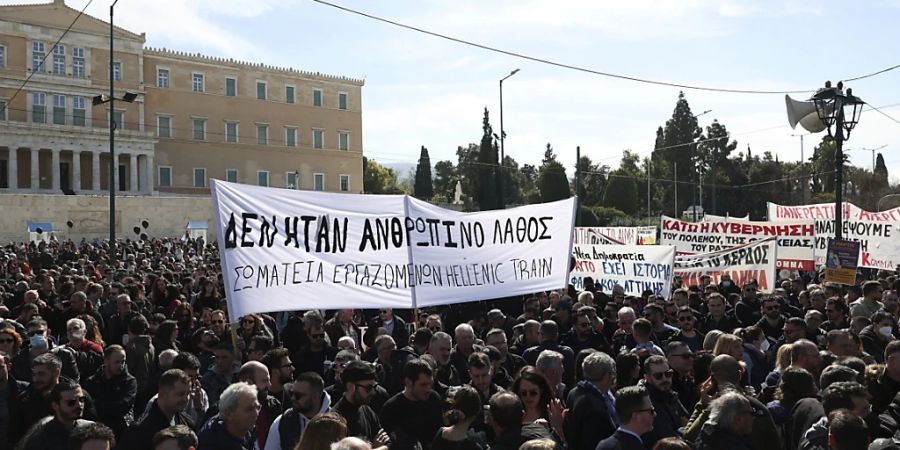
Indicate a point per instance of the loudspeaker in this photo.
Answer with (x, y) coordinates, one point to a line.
(804, 113)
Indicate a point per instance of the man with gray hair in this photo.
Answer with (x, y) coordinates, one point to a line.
(550, 364)
(439, 349)
(592, 408)
(730, 424)
(465, 346)
(231, 428)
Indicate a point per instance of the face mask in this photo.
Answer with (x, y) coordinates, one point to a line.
(764, 347)
(76, 335)
(886, 331)
(38, 341)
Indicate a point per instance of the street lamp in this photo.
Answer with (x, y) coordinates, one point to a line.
(503, 138)
(841, 111)
(699, 177)
(113, 167)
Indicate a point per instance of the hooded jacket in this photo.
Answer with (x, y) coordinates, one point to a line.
(141, 360)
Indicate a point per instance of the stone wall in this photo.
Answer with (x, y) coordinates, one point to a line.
(89, 215)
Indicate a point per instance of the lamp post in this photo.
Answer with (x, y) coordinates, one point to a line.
(836, 108)
(699, 177)
(803, 180)
(503, 137)
(113, 167)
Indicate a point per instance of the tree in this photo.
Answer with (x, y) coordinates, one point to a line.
(378, 179)
(467, 172)
(880, 168)
(511, 181)
(529, 177)
(488, 186)
(676, 145)
(593, 178)
(445, 177)
(621, 192)
(552, 181)
(423, 188)
(712, 155)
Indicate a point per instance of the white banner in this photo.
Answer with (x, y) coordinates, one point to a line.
(715, 218)
(284, 249)
(795, 239)
(751, 262)
(825, 211)
(879, 242)
(615, 235)
(634, 267)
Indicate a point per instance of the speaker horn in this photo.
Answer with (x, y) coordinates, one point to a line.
(805, 114)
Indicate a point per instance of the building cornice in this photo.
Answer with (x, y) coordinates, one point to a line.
(238, 64)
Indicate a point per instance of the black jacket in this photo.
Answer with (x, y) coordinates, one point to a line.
(589, 420)
(14, 425)
(714, 437)
(670, 414)
(872, 343)
(362, 422)
(140, 435)
(113, 399)
(400, 332)
(21, 363)
(214, 436)
(620, 441)
(49, 434)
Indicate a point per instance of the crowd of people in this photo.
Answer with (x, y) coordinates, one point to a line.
(136, 352)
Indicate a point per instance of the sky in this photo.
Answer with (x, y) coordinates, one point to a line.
(422, 90)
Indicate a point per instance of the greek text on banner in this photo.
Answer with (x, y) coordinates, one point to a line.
(285, 249)
(750, 262)
(637, 268)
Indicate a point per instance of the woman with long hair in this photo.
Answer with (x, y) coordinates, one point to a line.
(464, 409)
(166, 336)
(10, 340)
(208, 297)
(252, 325)
(92, 331)
(731, 345)
(322, 431)
(535, 393)
(184, 315)
(796, 384)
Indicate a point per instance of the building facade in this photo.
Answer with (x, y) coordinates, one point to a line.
(194, 117)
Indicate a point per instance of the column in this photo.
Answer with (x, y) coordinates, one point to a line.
(76, 170)
(95, 171)
(54, 169)
(13, 167)
(151, 175)
(133, 166)
(35, 169)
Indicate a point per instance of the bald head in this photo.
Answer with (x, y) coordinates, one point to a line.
(725, 369)
(257, 374)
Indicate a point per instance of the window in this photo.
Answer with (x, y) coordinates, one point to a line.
(343, 140)
(2, 109)
(37, 56)
(231, 175)
(319, 181)
(290, 137)
(199, 177)
(292, 180)
(342, 100)
(231, 132)
(78, 62)
(318, 138)
(164, 126)
(38, 105)
(262, 134)
(345, 183)
(117, 70)
(197, 82)
(79, 113)
(230, 87)
(165, 176)
(317, 97)
(289, 94)
(199, 129)
(262, 177)
(2, 56)
(59, 60)
(260, 90)
(119, 117)
(59, 109)
(162, 78)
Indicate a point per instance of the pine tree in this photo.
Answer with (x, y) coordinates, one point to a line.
(423, 188)
(487, 193)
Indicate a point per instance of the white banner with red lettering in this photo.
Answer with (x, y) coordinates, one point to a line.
(754, 261)
(877, 232)
(795, 240)
(615, 235)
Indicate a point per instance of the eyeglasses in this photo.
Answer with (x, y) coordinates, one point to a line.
(249, 321)
(75, 401)
(529, 393)
(297, 395)
(36, 332)
(649, 410)
(367, 387)
(686, 319)
(658, 376)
